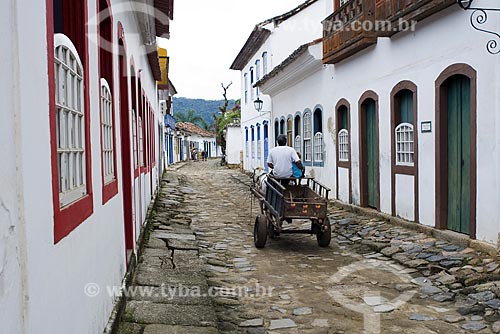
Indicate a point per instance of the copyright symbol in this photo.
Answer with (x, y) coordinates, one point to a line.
(92, 289)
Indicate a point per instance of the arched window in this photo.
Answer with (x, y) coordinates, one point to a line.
(245, 84)
(106, 67)
(257, 74)
(70, 121)
(298, 139)
(404, 128)
(107, 132)
(307, 137)
(318, 135)
(259, 148)
(343, 133)
(289, 132)
(253, 143)
(276, 131)
(246, 142)
(282, 127)
(264, 63)
(252, 81)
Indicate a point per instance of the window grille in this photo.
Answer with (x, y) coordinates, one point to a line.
(307, 137)
(70, 121)
(318, 147)
(264, 63)
(107, 131)
(134, 138)
(141, 143)
(343, 145)
(404, 144)
(298, 144)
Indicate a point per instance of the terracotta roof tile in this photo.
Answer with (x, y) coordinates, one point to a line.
(192, 128)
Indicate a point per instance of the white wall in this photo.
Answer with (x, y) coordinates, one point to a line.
(285, 38)
(439, 41)
(12, 223)
(233, 144)
(51, 276)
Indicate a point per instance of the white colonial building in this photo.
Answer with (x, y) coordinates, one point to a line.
(80, 130)
(267, 46)
(404, 120)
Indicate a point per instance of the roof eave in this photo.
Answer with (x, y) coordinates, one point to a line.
(254, 42)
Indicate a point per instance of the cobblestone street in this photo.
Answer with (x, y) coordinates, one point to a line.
(374, 277)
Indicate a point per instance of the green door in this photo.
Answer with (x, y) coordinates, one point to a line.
(371, 146)
(459, 154)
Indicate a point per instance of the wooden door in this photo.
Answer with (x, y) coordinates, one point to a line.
(372, 157)
(459, 161)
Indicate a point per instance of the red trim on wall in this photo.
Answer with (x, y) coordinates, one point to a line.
(110, 189)
(133, 92)
(126, 157)
(70, 217)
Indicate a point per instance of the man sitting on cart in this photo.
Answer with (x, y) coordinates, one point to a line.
(280, 160)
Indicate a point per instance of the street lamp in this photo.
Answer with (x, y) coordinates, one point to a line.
(258, 104)
(465, 4)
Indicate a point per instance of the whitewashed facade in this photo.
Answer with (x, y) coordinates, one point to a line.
(274, 40)
(63, 224)
(233, 144)
(423, 63)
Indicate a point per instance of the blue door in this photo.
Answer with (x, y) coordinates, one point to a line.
(170, 149)
(266, 146)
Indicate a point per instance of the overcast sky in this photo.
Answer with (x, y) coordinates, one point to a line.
(206, 36)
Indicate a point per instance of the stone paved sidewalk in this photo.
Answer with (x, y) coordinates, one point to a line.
(449, 272)
(170, 283)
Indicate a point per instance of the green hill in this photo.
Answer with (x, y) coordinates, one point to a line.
(204, 108)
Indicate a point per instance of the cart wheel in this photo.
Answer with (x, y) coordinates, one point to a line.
(325, 237)
(260, 231)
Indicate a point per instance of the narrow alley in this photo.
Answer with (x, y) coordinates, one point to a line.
(374, 277)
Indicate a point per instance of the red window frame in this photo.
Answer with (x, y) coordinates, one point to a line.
(153, 137)
(70, 217)
(142, 106)
(106, 71)
(133, 93)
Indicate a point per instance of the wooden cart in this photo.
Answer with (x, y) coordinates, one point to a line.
(303, 198)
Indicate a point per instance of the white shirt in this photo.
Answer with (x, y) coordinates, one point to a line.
(282, 157)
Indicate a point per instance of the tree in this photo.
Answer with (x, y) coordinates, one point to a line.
(191, 116)
(226, 116)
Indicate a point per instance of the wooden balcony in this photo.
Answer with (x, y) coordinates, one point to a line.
(340, 40)
(357, 24)
(392, 11)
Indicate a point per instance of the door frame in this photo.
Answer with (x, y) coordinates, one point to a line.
(125, 143)
(441, 158)
(405, 170)
(363, 171)
(343, 164)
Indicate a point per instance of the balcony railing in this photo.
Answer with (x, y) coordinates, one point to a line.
(357, 24)
(341, 36)
(395, 12)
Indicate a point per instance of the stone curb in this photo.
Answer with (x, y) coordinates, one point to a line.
(450, 236)
(119, 308)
